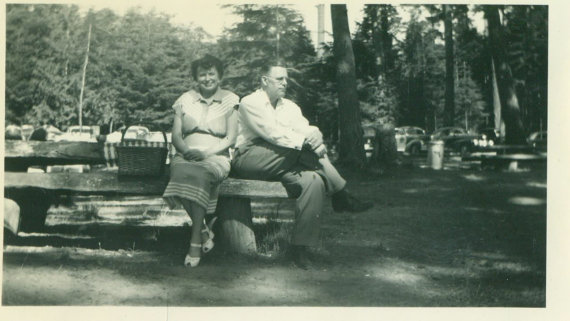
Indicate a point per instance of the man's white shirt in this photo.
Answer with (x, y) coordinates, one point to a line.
(283, 125)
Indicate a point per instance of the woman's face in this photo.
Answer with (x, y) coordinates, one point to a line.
(208, 80)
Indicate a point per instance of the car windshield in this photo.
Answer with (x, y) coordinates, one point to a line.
(443, 132)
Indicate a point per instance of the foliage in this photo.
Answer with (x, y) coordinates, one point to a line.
(139, 63)
(375, 56)
(526, 35)
(39, 70)
(266, 33)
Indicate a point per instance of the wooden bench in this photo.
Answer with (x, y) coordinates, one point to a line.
(29, 189)
(505, 161)
(507, 149)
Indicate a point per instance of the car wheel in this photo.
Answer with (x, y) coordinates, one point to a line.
(415, 150)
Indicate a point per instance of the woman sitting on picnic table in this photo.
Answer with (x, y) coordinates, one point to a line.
(204, 127)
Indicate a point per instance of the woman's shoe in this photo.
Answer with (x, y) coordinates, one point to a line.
(208, 245)
(190, 260)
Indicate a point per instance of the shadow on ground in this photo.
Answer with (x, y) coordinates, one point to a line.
(457, 237)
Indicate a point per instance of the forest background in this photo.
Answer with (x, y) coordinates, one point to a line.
(136, 64)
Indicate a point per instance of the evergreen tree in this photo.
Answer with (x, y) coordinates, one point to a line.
(526, 36)
(39, 76)
(375, 63)
(266, 32)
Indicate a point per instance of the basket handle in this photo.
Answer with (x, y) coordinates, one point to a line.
(125, 131)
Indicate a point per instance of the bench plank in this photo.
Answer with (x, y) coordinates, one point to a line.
(108, 183)
(50, 153)
(508, 149)
(508, 161)
(505, 157)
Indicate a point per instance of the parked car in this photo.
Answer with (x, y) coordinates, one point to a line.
(158, 137)
(52, 132)
(538, 140)
(13, 132)
(488, 137)
(77, 134)
(27, 130)
(369, 135)
(410, 139)
(137, 133)
(456, 139)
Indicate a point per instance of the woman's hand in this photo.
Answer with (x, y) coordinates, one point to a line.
(195, 154)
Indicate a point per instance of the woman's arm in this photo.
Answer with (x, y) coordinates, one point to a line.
(177, 139)
(230, 139)
(188, 152)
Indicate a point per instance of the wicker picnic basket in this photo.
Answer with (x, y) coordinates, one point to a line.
(141, 158)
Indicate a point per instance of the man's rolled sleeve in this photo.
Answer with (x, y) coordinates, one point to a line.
(263, 123)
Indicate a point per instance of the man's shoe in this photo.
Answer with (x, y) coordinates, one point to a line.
(300, 257)
(343, 201)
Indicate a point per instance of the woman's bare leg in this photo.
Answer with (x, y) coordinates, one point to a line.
(196, 214)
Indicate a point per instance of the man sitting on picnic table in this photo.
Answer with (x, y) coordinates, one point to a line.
(275, 142)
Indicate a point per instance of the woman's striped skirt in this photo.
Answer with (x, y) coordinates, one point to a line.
(197, 181)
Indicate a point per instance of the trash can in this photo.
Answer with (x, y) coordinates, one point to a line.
(435, 154)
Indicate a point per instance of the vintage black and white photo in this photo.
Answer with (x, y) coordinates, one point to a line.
(300, 154)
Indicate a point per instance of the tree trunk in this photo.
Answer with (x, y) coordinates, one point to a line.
(376, 41)
(351, 149)
(511, 113)
(387, 60)
(498, 121)
(385, 152)
(381, 38)
(449, 112)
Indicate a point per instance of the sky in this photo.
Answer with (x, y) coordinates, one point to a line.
(213, 19)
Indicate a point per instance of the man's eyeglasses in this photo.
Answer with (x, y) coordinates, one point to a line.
(280, 80)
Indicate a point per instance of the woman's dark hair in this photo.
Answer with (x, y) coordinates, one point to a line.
(207, 62)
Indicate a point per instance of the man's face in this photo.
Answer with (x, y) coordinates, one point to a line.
(208, 79)
(275, 82)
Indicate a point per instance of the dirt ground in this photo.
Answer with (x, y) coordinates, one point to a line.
(457, 237)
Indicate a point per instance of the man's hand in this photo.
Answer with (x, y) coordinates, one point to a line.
(195, 154)
(314, 139)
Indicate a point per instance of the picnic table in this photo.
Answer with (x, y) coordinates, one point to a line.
(34, 192)
(506, 156)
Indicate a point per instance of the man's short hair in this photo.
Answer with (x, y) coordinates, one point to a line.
(207, 62)
(266, 67)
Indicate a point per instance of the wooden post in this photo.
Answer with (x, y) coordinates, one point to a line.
(34, 204)
(235, 225)
(11, 216)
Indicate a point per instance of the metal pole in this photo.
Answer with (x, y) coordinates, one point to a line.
(320, 29)
(83, 81)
